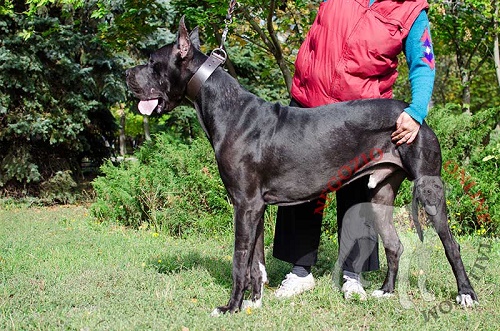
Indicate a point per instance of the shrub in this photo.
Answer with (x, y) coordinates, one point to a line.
(169, 186)
(471, 157)
(60, 188)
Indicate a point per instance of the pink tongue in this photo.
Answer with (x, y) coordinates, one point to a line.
(146, 107)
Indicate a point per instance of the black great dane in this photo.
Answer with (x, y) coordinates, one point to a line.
(273, 154)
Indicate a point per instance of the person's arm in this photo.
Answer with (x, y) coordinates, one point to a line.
(420, 58)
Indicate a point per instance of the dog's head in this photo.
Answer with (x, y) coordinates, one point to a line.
(161, 83)
(430, 191)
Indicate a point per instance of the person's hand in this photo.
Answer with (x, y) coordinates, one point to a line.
(406, 129)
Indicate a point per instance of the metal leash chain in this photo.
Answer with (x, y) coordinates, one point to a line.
(219, 54)
(217, 58)
(227, 21)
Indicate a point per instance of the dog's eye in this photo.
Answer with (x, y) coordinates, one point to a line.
(156, 66)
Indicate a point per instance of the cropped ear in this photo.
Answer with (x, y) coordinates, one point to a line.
(183, 42)
(194, 36)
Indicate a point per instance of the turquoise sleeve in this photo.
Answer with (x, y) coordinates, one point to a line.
(420, 58)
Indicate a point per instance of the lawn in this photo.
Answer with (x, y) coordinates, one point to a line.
(60, 270)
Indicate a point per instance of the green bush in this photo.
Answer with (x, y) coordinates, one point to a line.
(471, 160)
(170, 186)
(60, 188)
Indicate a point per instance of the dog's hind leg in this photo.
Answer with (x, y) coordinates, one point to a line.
(248, 228)
(382, 204)
(438, 216)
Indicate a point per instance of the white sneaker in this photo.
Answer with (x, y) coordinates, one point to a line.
(352, 287)
(293, 285)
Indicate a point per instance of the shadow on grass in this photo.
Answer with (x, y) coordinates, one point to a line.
(220, 268)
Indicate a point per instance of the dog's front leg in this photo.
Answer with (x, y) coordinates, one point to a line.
(430, 192)
(258, 274)
(247, 222)
(467, 297)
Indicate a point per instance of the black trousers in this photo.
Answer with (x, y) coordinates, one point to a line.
(298, 229)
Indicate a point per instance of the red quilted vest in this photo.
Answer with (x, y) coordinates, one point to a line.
(351, 50)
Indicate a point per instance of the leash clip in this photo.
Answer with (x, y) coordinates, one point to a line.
(220, 54)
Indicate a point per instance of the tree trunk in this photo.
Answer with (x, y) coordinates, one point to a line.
(145, 122)
(496, 55)
(465, 91)
(276, 48)
(123, 146)
(287, 75)
(496, 51)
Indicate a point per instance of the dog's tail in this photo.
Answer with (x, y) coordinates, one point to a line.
(414, 212)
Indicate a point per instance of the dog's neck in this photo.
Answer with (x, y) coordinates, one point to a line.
(213, 111)
(194, 85)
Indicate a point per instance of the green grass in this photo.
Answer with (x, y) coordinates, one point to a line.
(59, 270)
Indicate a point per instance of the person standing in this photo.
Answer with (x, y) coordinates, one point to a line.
(351, 52)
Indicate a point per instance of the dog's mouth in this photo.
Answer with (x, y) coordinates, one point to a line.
(146, 107)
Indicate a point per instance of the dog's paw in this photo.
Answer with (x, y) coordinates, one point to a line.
(216, 312)
(381, 294)
(466, 300)
(219, 311)
(251, 304)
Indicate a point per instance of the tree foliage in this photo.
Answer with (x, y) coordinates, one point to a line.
(463, 34)
(137, 27)
(265, 37)
(57, 83)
